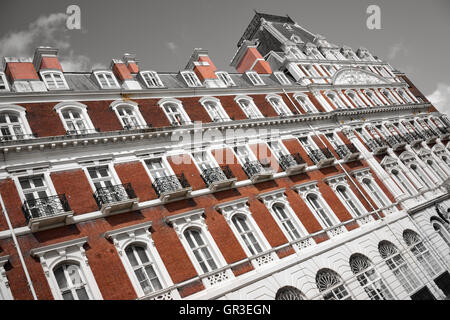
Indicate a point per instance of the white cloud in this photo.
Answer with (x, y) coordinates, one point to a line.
(47, 30)
(396, 50)
(172, 46)
(440, 98)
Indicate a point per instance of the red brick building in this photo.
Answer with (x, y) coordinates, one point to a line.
(314, 172)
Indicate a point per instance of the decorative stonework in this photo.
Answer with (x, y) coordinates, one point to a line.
(350, 76)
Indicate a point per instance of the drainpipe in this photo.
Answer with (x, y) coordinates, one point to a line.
(19, 252)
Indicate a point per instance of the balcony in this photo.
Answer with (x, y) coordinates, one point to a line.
(44, 213)
(377, 146)
(444, 133)
(293, 163)
(348, 152)
(321, 157)
(430, 136)
(114, 199)
(257, 172)
(396, 142)
(219, 178)
(172, 188)
(413, 138)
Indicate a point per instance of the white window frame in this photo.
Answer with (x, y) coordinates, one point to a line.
(5, 290)
(307, 106)
(223, 116)
(226, 79)
(136, 112)
(356, 99)
(402, 181)
(154, 81)
(194, 220)
(311, 188)
(296, 53)
(4, 82)
(46, 177)
(191, 79)
(335, 289)
(278, 197)
(282, 78)
(140, 235)
(440, 229)
(114, 178)
(55, 85)
(254, 78)
(256, 113)
(165, 165)
(337, 101)
(377, 195)
(239, 207)
(81, 108)
(20, 112)
(180, 109)
(373, 98)
(280, 106)
(71, 251)
(340, 181)
(113, 84)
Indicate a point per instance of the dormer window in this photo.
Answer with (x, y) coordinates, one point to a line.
(255, 78)
(296, 53)
(151, 79)
(225, 77)
(191, 79)
(296, 38)
(106, 80)
(4, 86)
(278, 104)
(281, 77)
(13, 123)
(249, 107)
(54, 80)
(305, 103)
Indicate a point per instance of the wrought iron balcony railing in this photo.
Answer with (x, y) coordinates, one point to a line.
(377, 146)
(218, 178)
(321, 157)
(256, 171)
(80, 132)
(136, 127)
(16, 137)
(113, 194)
(396, 142)
(290, 161)
(347, 152)
(45, 207)
(413, 138)
(169, 187)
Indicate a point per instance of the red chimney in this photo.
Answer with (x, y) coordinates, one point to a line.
(248, 58)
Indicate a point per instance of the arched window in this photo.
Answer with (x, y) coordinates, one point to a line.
(278, 104)
(400, 178)
(74, 117)
(405, 96)
(129, 115)
(200, 249)
(388, 95)
(331, 286)
(143, 268)
(225, 77)
(71, 282)
(373, 98)
(282, 78)
(296, 53)
(286, 220)
(337, 102)
(320, 210)
(436, 170)
(421, 252)
(289, 293)
(255, 78)
(249, 107)
(420, 175)
(397, 264)
(247, 234)
(191, 79)
(214, 109)
(356, 99)
(11, 126)
(368, 278)
(441, 230)
(54, 80)
(305, 103)
(375, 192)
(350, 201)
(174, 112)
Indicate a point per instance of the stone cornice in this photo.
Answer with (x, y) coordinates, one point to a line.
(129, 229)
(38, 252)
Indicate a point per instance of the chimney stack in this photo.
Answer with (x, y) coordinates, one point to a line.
(248, 58)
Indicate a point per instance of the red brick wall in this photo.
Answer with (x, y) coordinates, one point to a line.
(195, 110)
(13, 205)
(152, 113)
(135, 174)
(185, 164)
(75, 185)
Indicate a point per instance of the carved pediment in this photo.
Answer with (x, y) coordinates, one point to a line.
(351, 76)
(388, 161)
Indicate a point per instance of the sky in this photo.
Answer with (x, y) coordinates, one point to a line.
(414, 34)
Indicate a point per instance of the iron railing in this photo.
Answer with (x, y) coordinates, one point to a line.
(45, 207)
(80, 132)
(113, 194)
(255, 167)
(320, 154)
(345, 149)
(136, 127)
(374, 144)
(217, 174)
(170, 184)
(291, 160)
(17, 137)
